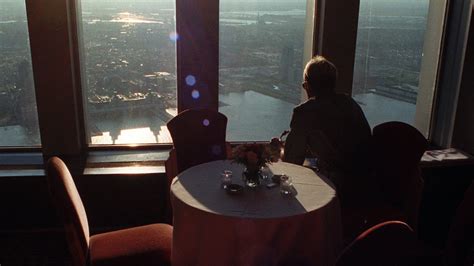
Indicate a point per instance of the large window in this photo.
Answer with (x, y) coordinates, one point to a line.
(130, 65)
(389, 55)
(124, 66)
(261, 46)
(18, 115)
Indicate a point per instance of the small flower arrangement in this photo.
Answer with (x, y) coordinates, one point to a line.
(257, 155)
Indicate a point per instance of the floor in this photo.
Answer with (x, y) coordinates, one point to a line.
(33, 249)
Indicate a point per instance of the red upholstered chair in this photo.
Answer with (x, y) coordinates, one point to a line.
(460, 240)
(388, 243)
(396, 150)
(144, 245)
(198, 137)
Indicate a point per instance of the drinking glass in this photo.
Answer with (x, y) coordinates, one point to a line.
(286, 185)
(226, 178)
(265, 172)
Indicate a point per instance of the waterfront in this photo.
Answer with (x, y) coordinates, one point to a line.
(248, 120)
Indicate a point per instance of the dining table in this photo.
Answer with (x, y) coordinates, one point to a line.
(254, 226)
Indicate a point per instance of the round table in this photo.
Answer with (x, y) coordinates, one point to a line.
(257, 227)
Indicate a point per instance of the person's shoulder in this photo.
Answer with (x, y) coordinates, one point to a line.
(354, 103)
(343, 97)
(347, 99)
(307, 105)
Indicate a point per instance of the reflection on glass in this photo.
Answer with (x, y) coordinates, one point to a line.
(260, 65)
(130, 65)
(18, 115)
(388, 58)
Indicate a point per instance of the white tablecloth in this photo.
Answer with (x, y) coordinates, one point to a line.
(257, 227)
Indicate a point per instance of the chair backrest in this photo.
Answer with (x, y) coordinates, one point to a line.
(388, 243)
(198, 137)
(397, 149)
(69, 206)
(397, 146)
(461, 232)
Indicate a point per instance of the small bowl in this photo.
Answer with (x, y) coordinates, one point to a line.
(234, 189)
(276, 179)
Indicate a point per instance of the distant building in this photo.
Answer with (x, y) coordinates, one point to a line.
(286, 64)
(260, 20)
(26, 113)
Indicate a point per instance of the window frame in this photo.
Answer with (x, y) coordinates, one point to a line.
(424, 117)
(55, 61)
(449, 83)
(56, 48)
(425, 113)
(197, 53)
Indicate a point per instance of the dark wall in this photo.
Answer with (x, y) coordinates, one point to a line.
(443, 191)
(124, 200)
(25, 205)
(111, 201)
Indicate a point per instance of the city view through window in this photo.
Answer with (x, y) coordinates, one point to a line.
(130, 65)
(18, 115)
(129, 58)
(388, 58)
(131, 72)
(261, 63)
(261, 47)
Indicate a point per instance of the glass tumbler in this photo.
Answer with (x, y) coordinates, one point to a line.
(226, 178)
(286, 185)
(265, 172)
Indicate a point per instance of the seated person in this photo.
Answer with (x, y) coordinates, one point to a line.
(329, 126)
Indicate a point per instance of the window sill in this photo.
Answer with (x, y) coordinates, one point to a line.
(126, 162)
(124, 170)
(97, 163)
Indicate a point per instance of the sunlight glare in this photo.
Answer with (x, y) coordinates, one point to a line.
(105, 138)
(174, 36)
(136, 135)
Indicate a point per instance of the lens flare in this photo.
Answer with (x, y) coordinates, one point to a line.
(206, 122)
(174, 36)
(216, 150)
(195, 94)
(190, 80)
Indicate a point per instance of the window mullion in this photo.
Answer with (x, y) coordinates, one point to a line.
(53, 47)
(337, 38)
(197, 23)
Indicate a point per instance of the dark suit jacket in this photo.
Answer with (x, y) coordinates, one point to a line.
(332, 128)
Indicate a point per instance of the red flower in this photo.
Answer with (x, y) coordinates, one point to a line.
(257, 154)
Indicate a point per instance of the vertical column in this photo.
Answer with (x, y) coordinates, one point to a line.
(53, 39)
(336, 37)
(454, 49)
(430, 65)
(310, 38)
(464, 124)
(197, 26)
